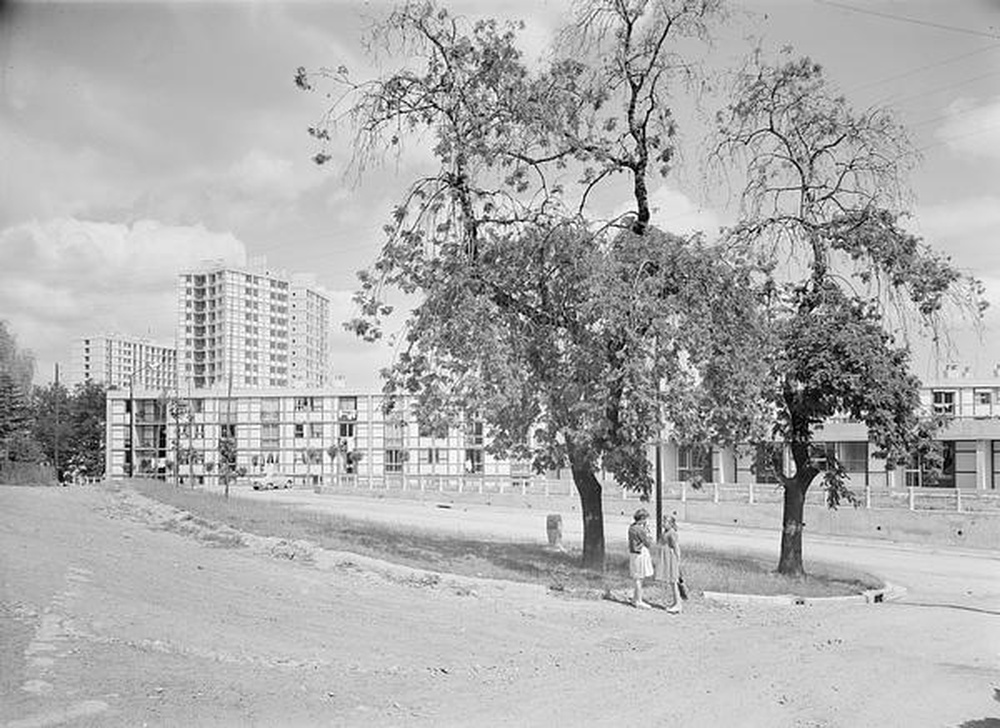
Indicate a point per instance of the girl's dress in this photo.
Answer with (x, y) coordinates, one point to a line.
(666, 565)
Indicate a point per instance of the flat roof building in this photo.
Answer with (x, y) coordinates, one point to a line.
(115, 360)
(251, 327)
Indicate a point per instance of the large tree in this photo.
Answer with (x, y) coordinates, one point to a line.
(571, 340)
(87, 414)
(17, 363)
(51, 424)
(17, 368)
(824, 199)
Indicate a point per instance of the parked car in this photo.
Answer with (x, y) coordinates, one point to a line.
(271, 481)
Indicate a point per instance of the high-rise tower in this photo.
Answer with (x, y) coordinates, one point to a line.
(252, 327)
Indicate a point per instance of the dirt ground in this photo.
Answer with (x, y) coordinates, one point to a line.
(118, 612)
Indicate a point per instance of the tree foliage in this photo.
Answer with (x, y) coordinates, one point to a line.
(825, 190)
(17, 363)
(556, 331)
(72, 421)
(16, 416)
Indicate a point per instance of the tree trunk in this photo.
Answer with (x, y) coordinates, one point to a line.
(790, 563)
(592, 508)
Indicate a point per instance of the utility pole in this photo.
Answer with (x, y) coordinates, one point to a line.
(55, 391)
(659, 490)
(229, 424)
(176, 407)
(131, 424)
(190, 427)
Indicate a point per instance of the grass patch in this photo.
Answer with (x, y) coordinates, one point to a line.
(704, 569)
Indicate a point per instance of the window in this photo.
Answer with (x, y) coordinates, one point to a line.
(983, 402)
(315, 429)
(473, 460)
(302, 404)
(395, 431)
(854, 456)
(432, 456)
(694, 464)
(944, 401)
(269, 436)
(394, 460)
(474, 433)
(346, 429)
(823, 453)
(300, 430)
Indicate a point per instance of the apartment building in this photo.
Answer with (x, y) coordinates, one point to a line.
(318, 437)
(121, 361)
(309, 334)
(250, 327)
(311, 437)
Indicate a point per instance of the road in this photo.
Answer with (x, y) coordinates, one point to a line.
(110, 620)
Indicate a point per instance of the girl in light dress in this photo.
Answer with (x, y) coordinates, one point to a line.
(667, 565)
(640, 562)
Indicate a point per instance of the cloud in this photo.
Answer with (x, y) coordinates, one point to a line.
(972, 127)
(966, 229)
(673, 211)
(65, 278)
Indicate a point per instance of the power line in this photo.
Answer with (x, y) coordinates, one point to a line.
(929, 66)
(906, 19)
(946, 140)
(927, 92)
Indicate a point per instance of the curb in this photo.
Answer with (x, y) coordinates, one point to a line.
(889, 592)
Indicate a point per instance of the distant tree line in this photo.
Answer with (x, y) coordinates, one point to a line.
(46, 432)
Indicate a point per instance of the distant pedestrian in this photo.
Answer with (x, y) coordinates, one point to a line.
(667, 564)
(640, 562)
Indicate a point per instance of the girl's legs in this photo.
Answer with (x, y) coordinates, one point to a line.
(676, 606)
(637, 593)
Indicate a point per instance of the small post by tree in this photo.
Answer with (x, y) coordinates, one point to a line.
(825, 188)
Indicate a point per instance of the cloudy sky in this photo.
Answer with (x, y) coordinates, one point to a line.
(137, 139)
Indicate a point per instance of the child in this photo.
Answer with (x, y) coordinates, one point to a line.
(640, 563)
(668, 561)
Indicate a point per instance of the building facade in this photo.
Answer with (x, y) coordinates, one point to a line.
(118, 361)
(250, 327)
(319, 437)
(308, 436)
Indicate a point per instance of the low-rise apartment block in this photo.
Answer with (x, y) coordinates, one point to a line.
(317, 437)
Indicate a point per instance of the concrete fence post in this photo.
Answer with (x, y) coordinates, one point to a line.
(913, 500)
(546, 489)
(684, 491)
(715, 492)
(524, 487)
(868, 496)
(958, 499)
(750, 487)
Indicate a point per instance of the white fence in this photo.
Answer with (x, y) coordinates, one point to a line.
(914, 499)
